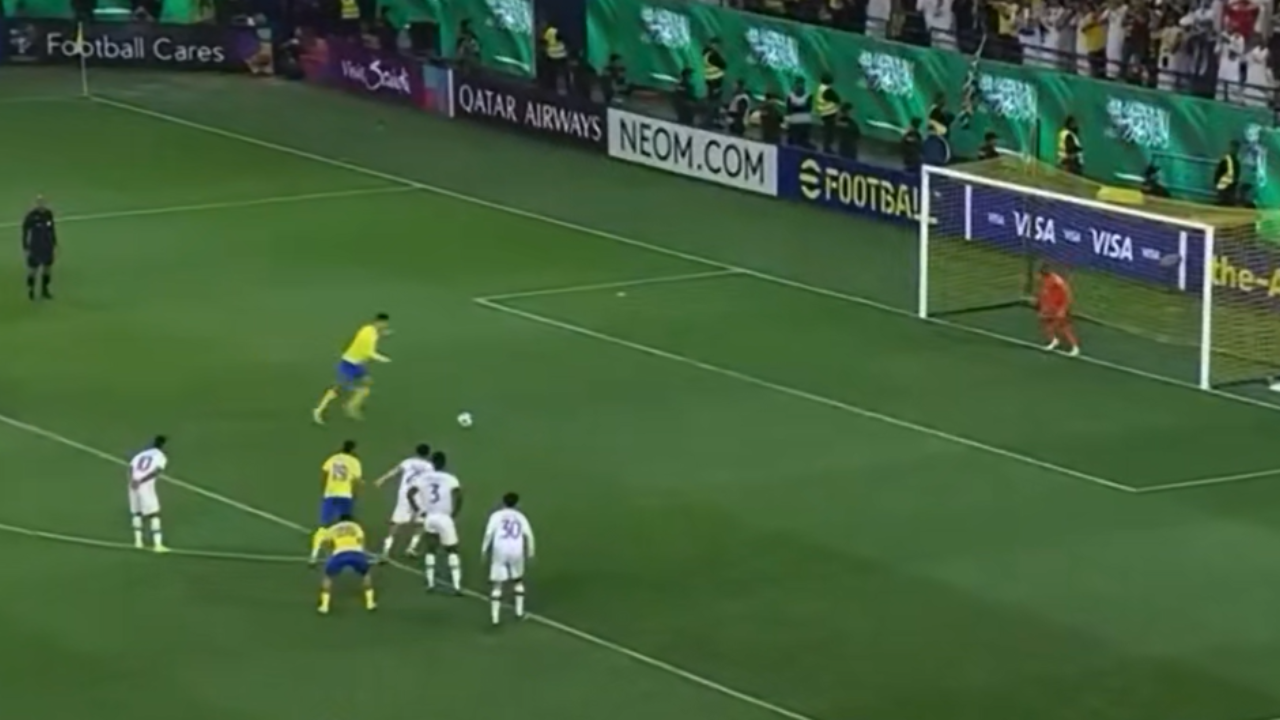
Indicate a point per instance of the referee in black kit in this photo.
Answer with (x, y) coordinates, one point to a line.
(39, 240)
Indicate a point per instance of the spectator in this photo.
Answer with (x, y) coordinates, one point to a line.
(614, 83)
(1259, 81)
(939, 23)
(1231, 68)
(1116, 16)
(878, 12)
(1173, 61)
(1092, 44)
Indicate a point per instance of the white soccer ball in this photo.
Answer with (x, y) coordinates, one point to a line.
(464, 419)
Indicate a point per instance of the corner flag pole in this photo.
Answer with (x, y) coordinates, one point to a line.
(83, 52)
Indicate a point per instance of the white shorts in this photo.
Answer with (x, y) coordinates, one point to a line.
(144, 500)
(506, 567)
(443, 527)
(403, 513)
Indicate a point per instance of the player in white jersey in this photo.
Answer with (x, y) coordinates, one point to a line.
(411, 472)
(144, 502)
(508, 541)
(439, 494)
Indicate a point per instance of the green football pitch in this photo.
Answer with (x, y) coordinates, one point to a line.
(762, 489)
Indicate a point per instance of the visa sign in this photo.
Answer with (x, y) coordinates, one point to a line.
(848, 185)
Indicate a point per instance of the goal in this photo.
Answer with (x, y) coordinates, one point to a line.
(1185, 291)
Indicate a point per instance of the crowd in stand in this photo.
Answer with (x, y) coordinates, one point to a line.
(1224, 49)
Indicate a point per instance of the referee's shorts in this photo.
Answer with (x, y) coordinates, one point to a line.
(35, 261)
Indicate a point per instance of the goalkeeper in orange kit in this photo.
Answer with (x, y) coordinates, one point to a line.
(1054, 306)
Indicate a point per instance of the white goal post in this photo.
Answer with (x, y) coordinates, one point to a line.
(1146, 275)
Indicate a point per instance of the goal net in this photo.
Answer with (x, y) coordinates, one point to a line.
(1185, 291)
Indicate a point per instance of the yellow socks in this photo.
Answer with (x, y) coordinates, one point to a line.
(317, 540)
(329, 396)
(369, 602)
(358, 396)
(324, 602)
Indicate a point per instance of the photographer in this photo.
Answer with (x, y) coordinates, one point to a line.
(799, 115)
(912, 146)
(466, 52)
(738, 110)
(769, 116)
(613, 83)
(848, 133)
(685, 99)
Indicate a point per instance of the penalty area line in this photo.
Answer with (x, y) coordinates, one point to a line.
(1210, 481)
(228, 205)
(618, 285)
(811, 397)
(589, 638)
(114, 545)
(654, 248)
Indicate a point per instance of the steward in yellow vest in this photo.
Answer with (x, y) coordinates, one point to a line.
(554, 64)
(1226, 177)
(349, 14)
(713, 67)
(1070, 152)
(826, 106)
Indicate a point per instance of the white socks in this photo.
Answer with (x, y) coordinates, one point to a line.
(455, 570)
(495, 601)
(157, 536)
(139, 538)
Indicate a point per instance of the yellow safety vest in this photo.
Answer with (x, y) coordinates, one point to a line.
(1228, 172)
(555, 48)
(1066, 138)
(823, 106)
(710, 71)
(350, 10)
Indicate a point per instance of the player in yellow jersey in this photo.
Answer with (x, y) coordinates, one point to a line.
(353, 368)
(340, 474)
(346, 543)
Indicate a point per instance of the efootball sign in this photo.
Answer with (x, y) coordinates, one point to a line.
(701, 154)
(151, 45)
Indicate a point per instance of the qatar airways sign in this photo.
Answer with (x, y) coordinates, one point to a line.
(527, 108)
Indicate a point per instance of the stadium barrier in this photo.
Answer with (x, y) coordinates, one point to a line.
(522, 107)
(140, 45)
(1122, 127)
(388, 77)
(848, 186)
(692, 152)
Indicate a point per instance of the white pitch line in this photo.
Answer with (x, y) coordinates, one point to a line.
(664, 279)
(1209, 482)
(582, 635)
(228, 205)
(27, 99)
(606, 235)
(811, 397)
(112, 545)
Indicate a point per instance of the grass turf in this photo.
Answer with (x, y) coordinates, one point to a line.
(753, 498)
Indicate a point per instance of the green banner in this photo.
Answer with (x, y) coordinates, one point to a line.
(505, 28)
(177, 12)
(1123, 128)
